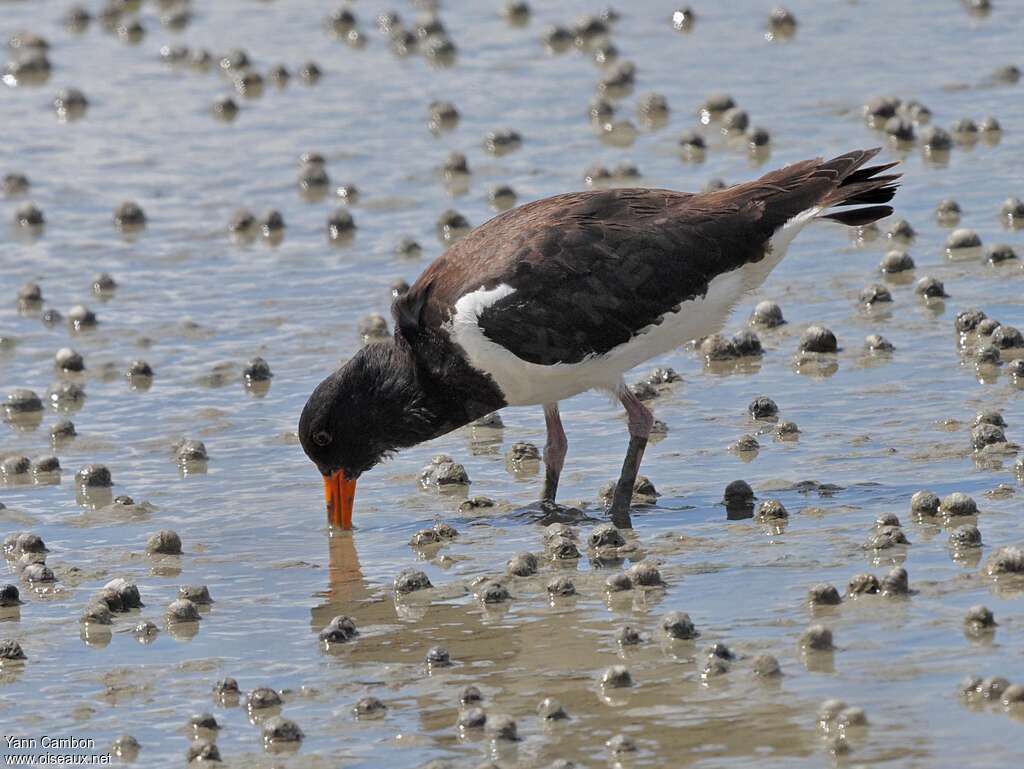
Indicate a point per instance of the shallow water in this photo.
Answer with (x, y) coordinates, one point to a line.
(192, 302)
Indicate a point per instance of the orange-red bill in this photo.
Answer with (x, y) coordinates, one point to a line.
(340, 494)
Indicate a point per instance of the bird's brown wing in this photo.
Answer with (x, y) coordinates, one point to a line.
(590, 269)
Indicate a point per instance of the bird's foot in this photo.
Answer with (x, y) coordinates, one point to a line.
(547, 511)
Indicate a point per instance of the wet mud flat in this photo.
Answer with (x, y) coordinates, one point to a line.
(205, 208)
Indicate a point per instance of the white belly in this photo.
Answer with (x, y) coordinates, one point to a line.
(524, 383)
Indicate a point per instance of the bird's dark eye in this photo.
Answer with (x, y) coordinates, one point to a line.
(322, 438)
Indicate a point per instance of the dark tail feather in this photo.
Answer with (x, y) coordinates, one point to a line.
(860, 216)
(861, 187)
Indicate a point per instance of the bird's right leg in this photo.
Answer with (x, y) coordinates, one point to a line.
(640, 422)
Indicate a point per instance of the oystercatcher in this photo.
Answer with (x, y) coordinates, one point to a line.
(564, 295)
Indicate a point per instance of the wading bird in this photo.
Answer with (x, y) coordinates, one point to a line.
(564, 295)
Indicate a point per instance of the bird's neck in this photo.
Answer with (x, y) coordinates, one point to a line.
(447, 392)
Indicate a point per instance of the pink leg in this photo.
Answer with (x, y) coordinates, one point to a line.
(554, 451)
(640, 422)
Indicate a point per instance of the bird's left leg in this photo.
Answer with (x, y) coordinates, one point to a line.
(554, 451)
(640, 422)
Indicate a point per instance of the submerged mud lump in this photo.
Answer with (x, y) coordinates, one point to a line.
(103, 284)
(188, 451)
(93, 476)
(874, 294)
(985, 435)
(980, 618)
(627, 635)
(65, 394)
(262, 698)
(15, 465)
(678, 625)
(645, 574)
(605, 535)
(451, 226)
(999, 253)
(139, 369)
(715, 666)
(81, 317)
(129, 215)
(242, 222)
(27, 542)
(502, 727)
(616, 677)
(369, 707)
(1005, 560)
(182, 610)
(967, 535)
(1012, 210)
(493, 592)
(1007, 338)
(924, 503)
(968, 320)
(443, 472)
(738, 492)
(861, 584)
(772, 509)
(502, 141)
(618, 583)
(958, 504)
(203, 721)
(22, 401)
(767, 315)
(127, 593)
(521, 452)
(896, 582)
(818, 339)
(226, 688)
(15, 184)
(225, 108)
(930, 288)
(340, 224)
(38, 572)
(817, 638)
(197, 594)
(947, 212)
(935, 139)
(962, 238)
(522, 565)
(9, 596)
(823, 594)
(896, 262)
(987, 327)
(411, 580)
(561, 586)
(878, 344)
(126, 748)
(201, 752)
(11, 651)
(164, 542)
(281, 730)
(763, 407)
(472, 718)
(886, 537)
(766, 666)
(257, 370)
(438, 657)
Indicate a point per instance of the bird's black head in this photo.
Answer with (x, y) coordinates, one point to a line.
(365, 410)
